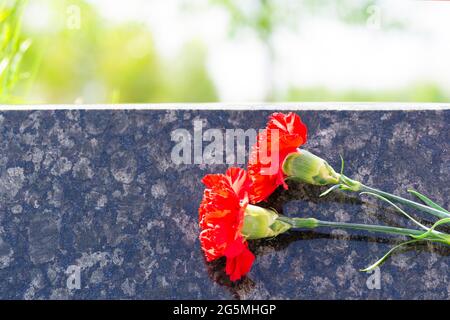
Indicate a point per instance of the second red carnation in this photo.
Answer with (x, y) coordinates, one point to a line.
(283, 134)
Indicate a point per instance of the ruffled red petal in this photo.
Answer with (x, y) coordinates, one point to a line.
(267, 156)
(221, 216)
(293, 131)
(239, 265)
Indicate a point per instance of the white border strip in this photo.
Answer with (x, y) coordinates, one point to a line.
(351, 106)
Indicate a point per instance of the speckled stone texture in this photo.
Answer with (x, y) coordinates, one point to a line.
(98, 189)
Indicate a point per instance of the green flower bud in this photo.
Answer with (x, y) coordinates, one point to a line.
(309, 168)
(262, 223)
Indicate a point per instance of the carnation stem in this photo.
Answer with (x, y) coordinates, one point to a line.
(373, 228)
(413, 204)
(312, 223)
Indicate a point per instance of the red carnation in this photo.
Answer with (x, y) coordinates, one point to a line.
(221, 217)
(282, 136)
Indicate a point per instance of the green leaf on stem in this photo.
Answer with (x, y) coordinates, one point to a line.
(430, 231)
(342, 164)
(382, 259)
(336, 186)
(397, 208)
(427, 201)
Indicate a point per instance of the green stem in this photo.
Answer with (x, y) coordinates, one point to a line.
(372, 228)
(314, 223)
(407, 202)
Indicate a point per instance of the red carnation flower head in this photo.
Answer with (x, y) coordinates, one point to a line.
(221, 218)
(282, 136)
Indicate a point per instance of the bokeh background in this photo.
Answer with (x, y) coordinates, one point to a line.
(139, 51)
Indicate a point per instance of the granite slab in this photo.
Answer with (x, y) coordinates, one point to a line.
(95, 194)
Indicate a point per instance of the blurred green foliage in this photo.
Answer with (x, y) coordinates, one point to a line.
(418, 92)
(265, 16)
(98, 61)
(12, 48)
(261, 16)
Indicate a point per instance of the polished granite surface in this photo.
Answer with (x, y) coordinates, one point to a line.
(97, 191)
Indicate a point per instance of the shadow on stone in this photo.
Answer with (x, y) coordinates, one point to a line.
(216, 269)
(380, 212)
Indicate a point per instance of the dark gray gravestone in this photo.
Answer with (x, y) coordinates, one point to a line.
(95, 194)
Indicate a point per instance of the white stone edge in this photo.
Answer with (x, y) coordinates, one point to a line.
(350, 106)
